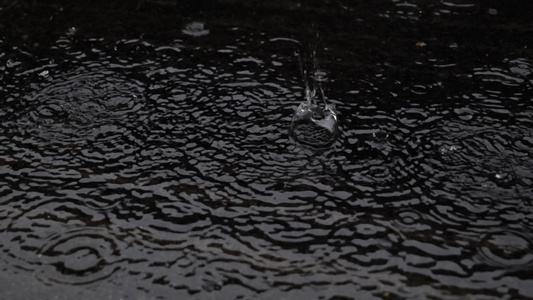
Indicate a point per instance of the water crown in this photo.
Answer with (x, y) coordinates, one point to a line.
(314, 122)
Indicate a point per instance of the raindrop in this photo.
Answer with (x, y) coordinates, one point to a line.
(447, 149)
(195, 29)
(314, 124)
(72, 31)
(11, 63)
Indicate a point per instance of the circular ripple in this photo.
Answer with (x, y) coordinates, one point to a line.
(78, 256)
(507, 248)
(409, 220)
(74, 105)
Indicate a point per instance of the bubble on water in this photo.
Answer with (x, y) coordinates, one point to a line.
(71, 31)
(380, 136)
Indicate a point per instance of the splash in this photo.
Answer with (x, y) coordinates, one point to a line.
(314, 122)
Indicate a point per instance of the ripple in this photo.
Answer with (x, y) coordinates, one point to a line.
(78, 256)
(64, 245)
(496, 75)
(454, 7)
(74, 105)
(409, 220)
(101, 196)
(161, 162)
(521, 66)
(512, 72)
(405, 10)
(509, 249)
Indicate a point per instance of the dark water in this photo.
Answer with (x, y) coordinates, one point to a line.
(145, 150)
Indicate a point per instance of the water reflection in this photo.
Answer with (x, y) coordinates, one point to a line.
(164, 167)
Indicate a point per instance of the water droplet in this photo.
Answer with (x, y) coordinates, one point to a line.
(492, 11)
(314, 125)
(195, 29)
(11, 63)
(71, 31)
(447, 149)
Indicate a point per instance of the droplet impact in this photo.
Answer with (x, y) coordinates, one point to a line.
(195, 29)
(313, 125)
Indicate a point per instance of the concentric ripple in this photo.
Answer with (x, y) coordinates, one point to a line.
(78, 256)
(76, 104)
(509, 249)
(158, 155)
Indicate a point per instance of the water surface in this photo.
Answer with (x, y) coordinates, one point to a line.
(145, 151)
